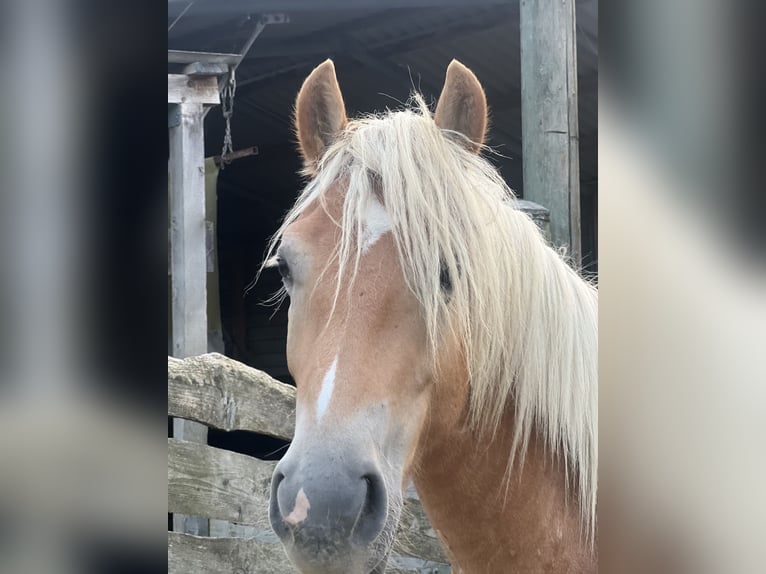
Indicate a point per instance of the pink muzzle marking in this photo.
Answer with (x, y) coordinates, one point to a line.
(300, 511)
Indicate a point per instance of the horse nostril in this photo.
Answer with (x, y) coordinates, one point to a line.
(372, 517)
(275, 515)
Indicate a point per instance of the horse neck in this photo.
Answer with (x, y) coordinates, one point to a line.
(489, 524)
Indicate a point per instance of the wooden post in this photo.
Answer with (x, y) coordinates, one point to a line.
(188, 263)
(550, 140)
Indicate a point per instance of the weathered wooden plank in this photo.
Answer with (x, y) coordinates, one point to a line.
(197, 555)
(188, 261)
(201, 69)
(216, 483)
(183, 89)
(225, 394)
(189, 430)
(220, 484)
(186, 57)
(188, 254)
(549, 116)
(404, 557)
(226, 529)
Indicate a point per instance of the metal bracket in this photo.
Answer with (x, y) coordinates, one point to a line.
(260, 25)
(263, 21)
(277, 18)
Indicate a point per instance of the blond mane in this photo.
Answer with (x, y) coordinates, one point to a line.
(526, 321)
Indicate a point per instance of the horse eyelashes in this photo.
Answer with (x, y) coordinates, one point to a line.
(284, 268)
(284, 271)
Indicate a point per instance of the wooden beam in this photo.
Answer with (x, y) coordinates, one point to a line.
(549, 116)
(243, 6)
(188, 260)
(183, 89)
(202, 69)
(217, 483)
(229, 395)
(201, 555)
(186, 57)
(261, 553)
(187, 232)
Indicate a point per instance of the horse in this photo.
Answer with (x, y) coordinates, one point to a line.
(434, 335)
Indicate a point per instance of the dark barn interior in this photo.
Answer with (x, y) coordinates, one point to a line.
(382, 51)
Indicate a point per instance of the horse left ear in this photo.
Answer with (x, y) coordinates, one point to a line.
(462, 105)
(320, 114)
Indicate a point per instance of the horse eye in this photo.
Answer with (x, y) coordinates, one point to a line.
(445, 281)
(284, 269)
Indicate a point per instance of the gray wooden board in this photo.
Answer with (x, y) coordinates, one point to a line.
(188, 253)
(216, 483)
(183, 89)
(549, 116)
(228, 395)
(202, 69)
(200, 555)
(187, 57)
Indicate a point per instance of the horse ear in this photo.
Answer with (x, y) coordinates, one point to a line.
(462, 105)
(320, 114)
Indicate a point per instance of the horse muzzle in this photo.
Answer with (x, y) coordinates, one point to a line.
(328, 510)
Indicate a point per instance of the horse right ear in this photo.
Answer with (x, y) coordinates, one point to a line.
(320, 114)
(462, 106)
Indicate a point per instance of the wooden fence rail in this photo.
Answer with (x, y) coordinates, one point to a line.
(225, 394)
(189, 554)
(215, 483)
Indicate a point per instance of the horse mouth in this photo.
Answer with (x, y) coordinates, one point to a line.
(328, 551)
(322, 557)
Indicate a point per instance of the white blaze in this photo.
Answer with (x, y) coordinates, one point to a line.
(328, 383)
(376, 224)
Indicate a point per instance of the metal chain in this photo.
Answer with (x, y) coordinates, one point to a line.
(227, 106)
